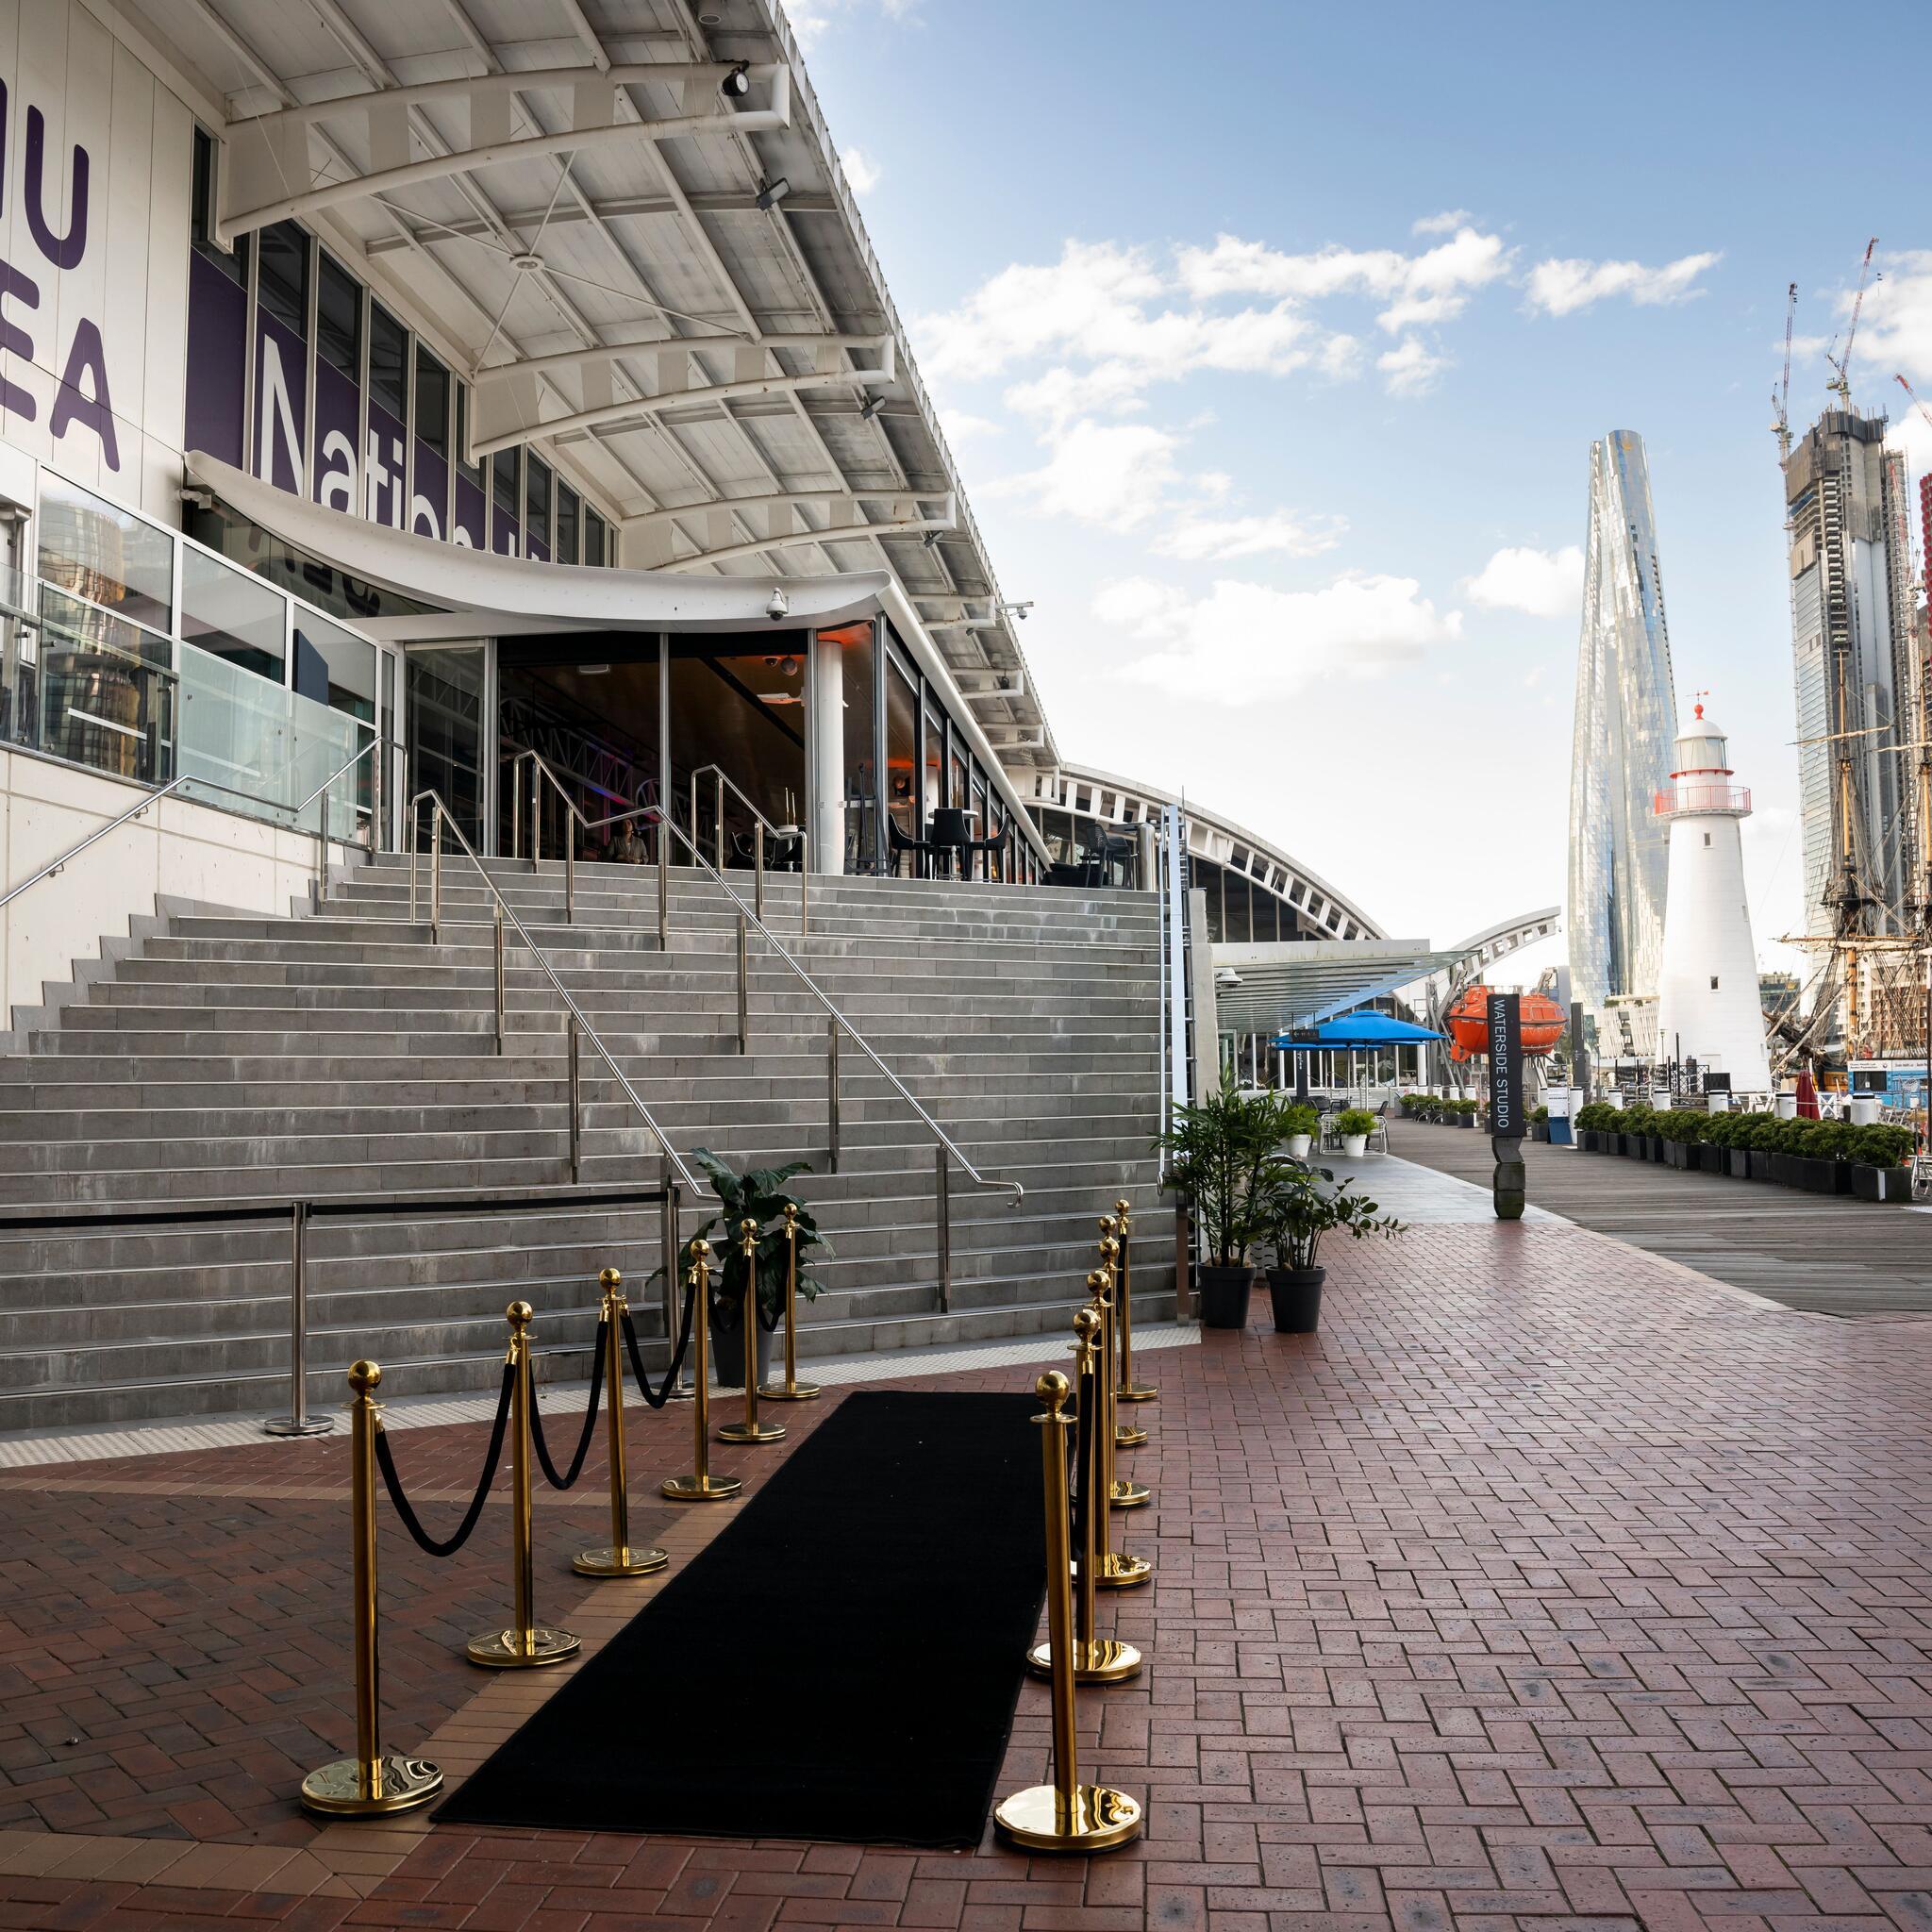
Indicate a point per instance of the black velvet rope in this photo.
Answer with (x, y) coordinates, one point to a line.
(1083, 1457)
(394, 1483)
(662, 1394)
(577, 1461)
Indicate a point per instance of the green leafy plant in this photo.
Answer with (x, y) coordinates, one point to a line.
(1539, 1115)
(1300, 1119)
(1355, 1120)
(1217, 1153)
(1296, 1206)
(1599, 1117)
(757, 1196)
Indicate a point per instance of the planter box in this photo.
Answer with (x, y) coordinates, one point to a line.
(1880, 1183)
(1540, 1130)
(1653, 1145)
(1589, 1139)
(1711, 1160)
(1677, 1153)
(1813, 1177)
(1737, 1162)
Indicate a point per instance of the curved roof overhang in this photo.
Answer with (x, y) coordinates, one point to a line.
(484, 594)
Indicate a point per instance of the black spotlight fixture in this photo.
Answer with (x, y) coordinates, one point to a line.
(736, 84)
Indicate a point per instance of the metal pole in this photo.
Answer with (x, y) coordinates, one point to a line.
(792, 1388)
(750, 1429)
(832, 1093)
(577, 1100)
(694, 813)
(1126, 1388)
(943, 1206)
(743, 986)
(664, 883)
(681, 1388)
(620, 1560)
(718, 828)
(298, 1422)
(370, 1782)
(436, 873)
(701, 1485)
(536, 816)
(499, 977)
(804, 882)
(526, 1646)
(412, 862)
(570, 867)
(516, 813)
(758, 868)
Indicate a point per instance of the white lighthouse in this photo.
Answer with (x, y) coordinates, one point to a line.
(1708, 1008)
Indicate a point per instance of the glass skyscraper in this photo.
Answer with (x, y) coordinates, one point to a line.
(1626, 724)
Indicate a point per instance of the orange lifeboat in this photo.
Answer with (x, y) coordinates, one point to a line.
(1468, 1021)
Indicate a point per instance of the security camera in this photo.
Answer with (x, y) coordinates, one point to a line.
(779, 606)
(736, 84)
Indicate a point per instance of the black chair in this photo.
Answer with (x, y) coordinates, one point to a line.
(973, 847)
(920, 852)
(781, 850)
(1102, 854)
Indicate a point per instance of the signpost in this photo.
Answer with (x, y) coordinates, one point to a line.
(1507, 1122)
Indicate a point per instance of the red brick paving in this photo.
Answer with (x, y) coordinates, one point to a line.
(1549, 1585)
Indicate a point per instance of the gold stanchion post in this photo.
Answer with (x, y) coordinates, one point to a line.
(1125, 1435)
(1115, 1569)
(620, 1560)
(751, 1430)
(1126, 1388)
(1066, 1815)
(1123, 1490)
(373, 1781)
(701, 1485)
(526, 1643)
(792, 1388)
(1097, 1660)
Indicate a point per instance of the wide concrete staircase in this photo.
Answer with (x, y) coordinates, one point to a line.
(342, 1053)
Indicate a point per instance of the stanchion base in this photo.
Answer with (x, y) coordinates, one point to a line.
(1128, 1495)
(1127, 1435)
(401, 1784)
(1118, 1570)
(796, 1392)
(682, 1393)
(1137, 1393)
(751, 1432)
(700, 1488)
(308, 1426)
(1099, 1660)
(520, 1650)
(1098, 1819)
(628, 1561)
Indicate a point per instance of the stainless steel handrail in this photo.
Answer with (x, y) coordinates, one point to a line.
(134, 812)
(858, 1038)
(721, 778)
(575, 818)
(441, 817)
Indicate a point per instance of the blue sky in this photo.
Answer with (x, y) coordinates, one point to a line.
(1271, 340)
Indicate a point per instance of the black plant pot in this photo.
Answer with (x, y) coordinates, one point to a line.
(1296, 1293)
(1540, 1130)
(1223, 1296)
(728, 1353)
(1879, 1183)
(1737, 1163)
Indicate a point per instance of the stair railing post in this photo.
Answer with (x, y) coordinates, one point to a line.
(570, 866)
(499, 979)
(436, 873)
(681, 1390)
(536, 816)
(832, 1094)
(757, 867)
(410, 832)
(664, 883)
(944, 1203)
(743, 986)
(804, 882)
(516, 810)
(718, 826)
(298, 1422)
(695, 846)
(576, 1103)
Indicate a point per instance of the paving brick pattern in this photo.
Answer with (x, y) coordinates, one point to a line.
(1550, 1586)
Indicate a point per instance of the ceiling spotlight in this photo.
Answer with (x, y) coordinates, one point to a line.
(736, 84)
(869, 407)
(773, 192)
(710, 17)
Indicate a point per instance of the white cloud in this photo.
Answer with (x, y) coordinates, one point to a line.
(962, 426)
(1246, 641)
(1545, 583)
(1114, 475)
(1444, 223)
(1411, 367)
(1563, 287)
(1197, 538)
(860, 170)
(811, 19)
(1895, 328)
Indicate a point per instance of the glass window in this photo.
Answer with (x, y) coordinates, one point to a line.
(465, 468)
(338, 318)
(537, 501)
(432, 401)
(567, 521)
(334, 666)
(503, 482)
(594, 552)
(106, 554)
(233, 615)
(282, 280)
(388, 366)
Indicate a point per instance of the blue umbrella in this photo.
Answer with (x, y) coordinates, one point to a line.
(1356, 1030)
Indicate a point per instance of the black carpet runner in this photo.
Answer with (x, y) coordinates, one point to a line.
(841, 1663)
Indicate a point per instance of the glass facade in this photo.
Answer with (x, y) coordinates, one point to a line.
(1625, 724)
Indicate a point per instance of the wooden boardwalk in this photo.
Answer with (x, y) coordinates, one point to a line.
(1822, 1252)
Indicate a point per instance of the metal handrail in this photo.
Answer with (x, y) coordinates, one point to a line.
(819, 993)
(134, 812)
(575, 820)
(505, 909)
(721, 778)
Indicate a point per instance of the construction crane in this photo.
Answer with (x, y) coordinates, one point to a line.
(1780, 396)
(1924, 409)
(1840, 384)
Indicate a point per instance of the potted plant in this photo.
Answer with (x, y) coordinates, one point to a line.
(1296, 1208)
(1302, 1122)
(758, 1195)
(1355, 1124)
(1217, 1153)
(1539, 1125)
